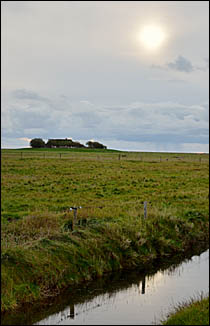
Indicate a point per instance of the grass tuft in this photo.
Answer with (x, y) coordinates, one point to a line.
(193, 312)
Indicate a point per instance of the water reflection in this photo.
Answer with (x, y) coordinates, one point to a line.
(128, 298)
(71, 311)
(143, 285)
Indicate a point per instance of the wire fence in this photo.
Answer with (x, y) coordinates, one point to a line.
(141, 157)
(83, 221)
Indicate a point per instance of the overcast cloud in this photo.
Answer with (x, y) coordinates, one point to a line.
(77, 69)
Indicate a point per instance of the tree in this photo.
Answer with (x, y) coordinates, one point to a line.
(37, 143)
(77, 144)
(95, 144)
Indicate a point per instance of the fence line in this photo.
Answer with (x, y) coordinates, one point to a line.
(83, 221)
(109, 156)
(104, 205)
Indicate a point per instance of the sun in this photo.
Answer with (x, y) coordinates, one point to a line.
(152, 37)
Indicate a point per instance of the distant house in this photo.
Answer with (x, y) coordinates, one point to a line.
(63, 143)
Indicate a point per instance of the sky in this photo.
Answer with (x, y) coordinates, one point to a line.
(133, 75)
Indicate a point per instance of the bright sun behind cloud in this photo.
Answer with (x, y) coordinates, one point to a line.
(152, 37)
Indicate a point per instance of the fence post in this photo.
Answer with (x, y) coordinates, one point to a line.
(145, 209)
(60, 155)
(21, 154)
(75, 216)
(119, 157)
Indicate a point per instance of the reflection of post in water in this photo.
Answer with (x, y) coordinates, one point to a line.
(72, 311)
(143, 285)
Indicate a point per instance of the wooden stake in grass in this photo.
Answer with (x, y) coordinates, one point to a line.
(145, 209)
(75, 215)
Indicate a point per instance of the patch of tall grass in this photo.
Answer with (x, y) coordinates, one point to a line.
(193, 312)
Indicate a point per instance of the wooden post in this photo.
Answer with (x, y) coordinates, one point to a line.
(160, 158)
(119, 157)
(21, 154)
(75, 216)
(44, 155)
(200, 159)
(60, 155)
(145, 209)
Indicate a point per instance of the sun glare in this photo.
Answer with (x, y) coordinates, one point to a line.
(152, 37)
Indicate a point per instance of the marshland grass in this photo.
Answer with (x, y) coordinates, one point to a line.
(193, 312)
(41, 254)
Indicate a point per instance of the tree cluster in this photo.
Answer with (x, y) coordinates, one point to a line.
(37, 143)
(95, 144)
(64, 143)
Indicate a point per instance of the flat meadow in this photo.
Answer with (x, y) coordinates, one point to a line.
(38, 184)
(41, 253)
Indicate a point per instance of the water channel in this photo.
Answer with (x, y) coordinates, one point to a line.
(124, 298)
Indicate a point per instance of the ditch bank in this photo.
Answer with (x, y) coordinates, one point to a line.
(34, 271)
(193, 312)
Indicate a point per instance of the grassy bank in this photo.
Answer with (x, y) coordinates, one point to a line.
(57, 258)
(194, 312)
(41, 254)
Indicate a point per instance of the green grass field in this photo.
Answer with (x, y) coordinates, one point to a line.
(37, 184)
(40, 252)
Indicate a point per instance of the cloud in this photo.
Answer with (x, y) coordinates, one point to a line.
(167, 124)
(205, 67)
(63, 77)
(182, 64)
(157, 147)
(24, 94)
(25, 139)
